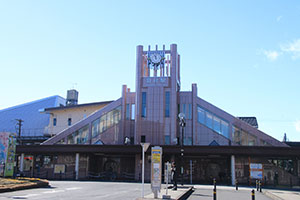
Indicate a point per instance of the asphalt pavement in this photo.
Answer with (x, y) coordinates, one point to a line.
(205, 192)
(90, 190)
(81, 190)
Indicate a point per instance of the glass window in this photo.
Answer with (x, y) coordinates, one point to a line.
(132, 111)
(251, 140)
(70, 139)
(102, 123)
(184, 109)
(108, 119)
(187, 141)
(69, 121)
(167, 140)
(144, 98)
(201, 115)
(167, 104)
(217, 124)
(244, 138)
(236, 135)
(209, 120)
(83, 135)
(190, 112)
(96, 127)
(54, 121)
(225, 129)
(127, 111)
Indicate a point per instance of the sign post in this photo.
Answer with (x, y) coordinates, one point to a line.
(167, 178)
(144, 149)
(156, 170)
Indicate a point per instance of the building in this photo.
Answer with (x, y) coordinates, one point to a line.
(65, 116)
(33, 123)
(216, 144)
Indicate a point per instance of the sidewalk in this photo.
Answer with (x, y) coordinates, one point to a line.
(282, 194)
(175, 194)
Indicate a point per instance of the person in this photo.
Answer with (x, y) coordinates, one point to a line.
(174, 176)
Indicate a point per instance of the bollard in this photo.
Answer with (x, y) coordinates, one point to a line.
(236, 185)
(215, 194)
(215, 184)
(256, 185)
(253, 195)
(259, 186)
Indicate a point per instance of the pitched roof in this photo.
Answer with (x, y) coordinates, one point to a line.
(250, 120)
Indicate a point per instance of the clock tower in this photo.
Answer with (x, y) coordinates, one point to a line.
(157, 93)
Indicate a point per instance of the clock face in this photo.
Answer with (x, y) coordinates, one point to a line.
(155, 58)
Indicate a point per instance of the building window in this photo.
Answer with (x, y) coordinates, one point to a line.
(127, 111)
(132, 111)
(213, 122)
(69, 121)
(224, 129)
(167, 140)
(184, 109)
(144, 97)
(209, 120)
(201, 115)
(190, 112)
(96, 127)
(167, 104)
(217, 124)
(54, 121)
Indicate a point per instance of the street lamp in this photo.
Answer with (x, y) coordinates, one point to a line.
(182, 124)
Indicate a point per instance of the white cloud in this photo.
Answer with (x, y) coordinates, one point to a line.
(271, 55)
(297, 125)
(278, 18)
(292, 48)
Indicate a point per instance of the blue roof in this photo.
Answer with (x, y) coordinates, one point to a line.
(34, 121)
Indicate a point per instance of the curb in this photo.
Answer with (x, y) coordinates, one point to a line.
(186, 194)
(41, 183)
(272, 196)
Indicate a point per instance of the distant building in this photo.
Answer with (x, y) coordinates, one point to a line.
(34, 122)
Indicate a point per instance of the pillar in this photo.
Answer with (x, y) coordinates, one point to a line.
(232, 170)
(77, 166)
(22, 162)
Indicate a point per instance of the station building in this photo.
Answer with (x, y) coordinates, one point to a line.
(106, 143)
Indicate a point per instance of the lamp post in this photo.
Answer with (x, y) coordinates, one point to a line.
(182, 124)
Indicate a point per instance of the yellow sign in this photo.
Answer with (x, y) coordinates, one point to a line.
(156, 168)
(59, 169)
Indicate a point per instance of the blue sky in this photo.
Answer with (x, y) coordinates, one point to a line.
(243, 55)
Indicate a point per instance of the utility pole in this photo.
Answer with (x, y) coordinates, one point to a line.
(19, 124)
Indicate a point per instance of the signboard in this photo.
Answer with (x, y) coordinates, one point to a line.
(7, 153)
(168, 170)
(3, 150)
(256, 170)
(156, 170)
(59, 168)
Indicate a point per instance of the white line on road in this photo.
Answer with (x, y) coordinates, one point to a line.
(73, 188)
(53, 191)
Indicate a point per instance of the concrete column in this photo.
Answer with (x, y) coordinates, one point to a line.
(232, 170)
(22, 162)
(77, 166)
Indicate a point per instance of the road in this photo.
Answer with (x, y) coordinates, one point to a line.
(77, 190)
(205, 192)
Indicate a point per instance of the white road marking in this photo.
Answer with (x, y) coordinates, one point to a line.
(73, 188)
(53, 191)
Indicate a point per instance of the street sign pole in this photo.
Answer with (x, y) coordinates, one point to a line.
(144, 149)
